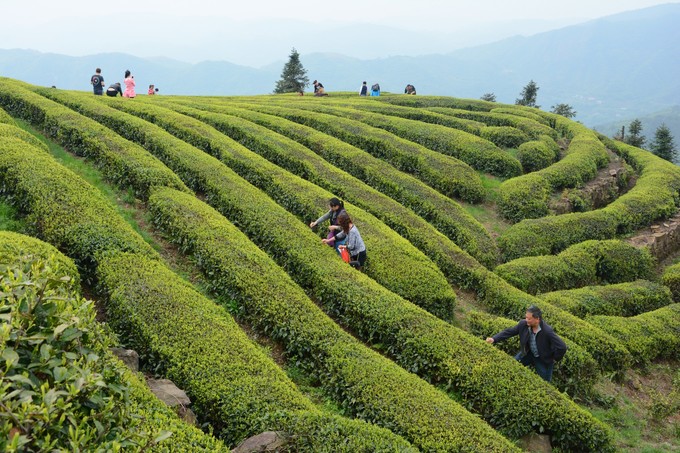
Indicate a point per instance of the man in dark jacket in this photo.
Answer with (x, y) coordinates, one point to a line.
(539, 344)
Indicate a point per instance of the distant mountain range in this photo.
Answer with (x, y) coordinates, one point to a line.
(610, 69)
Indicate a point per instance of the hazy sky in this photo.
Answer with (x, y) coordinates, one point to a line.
(254, 32)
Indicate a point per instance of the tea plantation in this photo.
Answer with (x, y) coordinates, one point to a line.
(218, 282)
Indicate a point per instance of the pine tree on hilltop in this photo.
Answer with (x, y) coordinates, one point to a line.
(293, 77)
(663, 145)
(528, 95)
(635, 137)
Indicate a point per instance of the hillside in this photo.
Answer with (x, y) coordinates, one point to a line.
(188, 219)
(618, 65)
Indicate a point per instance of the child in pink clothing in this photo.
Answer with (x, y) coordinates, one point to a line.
(129, 85)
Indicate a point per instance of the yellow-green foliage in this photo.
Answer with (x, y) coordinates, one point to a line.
(647, 336)
(441, 172)
(413, 275)
(5, 118)
(478, 152)
(61, 208)
(581, 162)
(62, 389)
(587, 263)
(524, 197)
(417, 340)
(440, 211)
(671, 278)
(362, 381)
(621, 299)
(15, 247)
(575, 374)
(122, 162)
(655, 196)
(11, 130)
(504, 136)
(538, 154)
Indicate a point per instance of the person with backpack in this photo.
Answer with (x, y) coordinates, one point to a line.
(364, 90)
(355, 244)
(375, 89)
(337, 207)
(97, 82)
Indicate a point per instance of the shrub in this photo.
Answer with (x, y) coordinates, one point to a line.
(524, 197)
(11, 130)
(504, 136)
(442, 212)
(580, 265)
(621, 299)
(62, 389)
(122, 162)
(535, 155)
(647, 336)
(671, 278)
(6, 119)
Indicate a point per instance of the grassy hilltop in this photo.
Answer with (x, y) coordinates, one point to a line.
(186, 220)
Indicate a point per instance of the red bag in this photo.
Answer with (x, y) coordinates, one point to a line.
(344, 253)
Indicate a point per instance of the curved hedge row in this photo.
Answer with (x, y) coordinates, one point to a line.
(504, 299)
(15, 248)
(5, 118)
(63, 209)
(419, 341)
(522, 111)
(538, 154)
(621, 299)
(525, 197)
(52, 194)
(477, 151)
(648, 336)
(532, 128)
(412, 275)
(671, 278)
(456, 350)
(655, 196)
(441, 172)
(576, 374)
(362, 381)
(440, 211)
(439, 101)
(585, 155)
(504, 136)
(587, 263)
(11, 130)
(81, 395)
(122, 162)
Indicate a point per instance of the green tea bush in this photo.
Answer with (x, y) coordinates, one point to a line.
(363, 382)
(11, 130)
(575, 374)
(412, 274)
(504, 136)
(477, 151)
(5, 118)
(537, 154)
(440, 211)
(647, 336)
(524, 197)
(62, 209)
(62, 389)
(587, 263)
(122, 162)
(655, 196)
(621, 299)
(671, 278)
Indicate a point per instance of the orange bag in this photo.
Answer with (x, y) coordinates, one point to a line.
(344, 253)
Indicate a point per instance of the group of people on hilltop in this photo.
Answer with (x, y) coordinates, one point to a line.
(342, 233)
(97, 82)
(319, 89)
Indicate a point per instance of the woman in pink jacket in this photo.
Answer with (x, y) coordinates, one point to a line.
(129, 84)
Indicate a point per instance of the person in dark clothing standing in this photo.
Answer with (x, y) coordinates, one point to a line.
(540, 346)
(337, 207)
(114, 90)
(97, 82)
(364, 90)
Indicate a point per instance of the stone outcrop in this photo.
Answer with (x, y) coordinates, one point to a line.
(267, 441)
(662, 239)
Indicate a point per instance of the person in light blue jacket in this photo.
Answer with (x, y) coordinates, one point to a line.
(355, 244)
(375, 89)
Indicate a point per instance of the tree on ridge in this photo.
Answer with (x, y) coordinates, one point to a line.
(528, 95)
(293, 77)
(635, 137)
(565, 110)
(663, 145)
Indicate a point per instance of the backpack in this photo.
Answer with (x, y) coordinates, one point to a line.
(375, 87)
